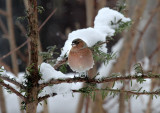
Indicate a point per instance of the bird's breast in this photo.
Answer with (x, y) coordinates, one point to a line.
(81, 61)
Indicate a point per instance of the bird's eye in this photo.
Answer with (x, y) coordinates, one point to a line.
(75, 42)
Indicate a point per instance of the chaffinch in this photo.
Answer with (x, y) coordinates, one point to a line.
(80, 57)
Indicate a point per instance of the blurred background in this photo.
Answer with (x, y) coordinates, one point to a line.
(141, 44)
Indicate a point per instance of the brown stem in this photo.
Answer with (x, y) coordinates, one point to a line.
(107, 79)
(124, 91)
(6, 78)
(28, 40)
(2, 12)
(53, 12)
(46, 96)
(14, 50)
(3, 27)
(11, 36)
(13, 90)
(154, 12)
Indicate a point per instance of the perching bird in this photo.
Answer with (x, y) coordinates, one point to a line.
(80, 57)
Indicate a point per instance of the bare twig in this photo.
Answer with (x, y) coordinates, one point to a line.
(47, 19)
(124, 91)
(154, 52)
(16, 49)
(21, 27)
(46, 96)
(13, 90)
(107, 79)
(28, 40)
(154, 12)
(13, 81)
(4, 29)
(2, 12)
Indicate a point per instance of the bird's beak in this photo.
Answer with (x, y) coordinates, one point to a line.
(73, 44)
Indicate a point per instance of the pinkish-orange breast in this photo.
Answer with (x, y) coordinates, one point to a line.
(81, 61)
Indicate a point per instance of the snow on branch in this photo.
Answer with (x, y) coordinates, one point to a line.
(103, 80)
(5, 77)
(11, 89)
(12, 80)
(46, 96)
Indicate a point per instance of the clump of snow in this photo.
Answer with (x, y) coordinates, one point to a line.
(105, 18)
(48, 72)
(102, 29)
(2, 71)
(62, 88)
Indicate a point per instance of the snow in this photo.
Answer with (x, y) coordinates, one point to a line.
(103, 20)
(102, 29)
(2, 71)
(105, 69)
(48, 72)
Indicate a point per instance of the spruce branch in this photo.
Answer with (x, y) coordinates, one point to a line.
(120, 91)
(46, 96)
(12, 80)
(139, 79)
(13, 90)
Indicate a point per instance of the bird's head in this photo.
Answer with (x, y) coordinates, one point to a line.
(78, 44)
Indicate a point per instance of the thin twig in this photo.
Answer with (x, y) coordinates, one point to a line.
(46, 96)
(4, 29)
(28, 38)
(154, 52)
(107, 79)
(13, 90)
(16, 49)
(53, 12)
(2, 12)
(13, 81)
(123, 91)
(144, 30)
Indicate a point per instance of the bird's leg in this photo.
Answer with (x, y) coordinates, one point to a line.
(81, 74)
(86, 76)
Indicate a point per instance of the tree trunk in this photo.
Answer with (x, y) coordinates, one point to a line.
(32, 107)
(11, 36)
(33, 77)
(2, 101)
(90, 12)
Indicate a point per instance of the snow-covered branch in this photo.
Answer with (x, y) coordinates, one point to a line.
(107, 79)
(46, 96)
(12, 80)
(119, 91)
(13, 90)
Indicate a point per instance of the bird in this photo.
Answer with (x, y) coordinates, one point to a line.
(80, 58)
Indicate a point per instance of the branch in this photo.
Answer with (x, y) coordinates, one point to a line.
(23, 44)
(107, 79)
(144, 29)
(28, 40)
(13, 90)
(47, 19)
(121, 91)
(61, 62)
(13, 81)
(2, 12)
(46, 96)
(154, 52)
(3, 27)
